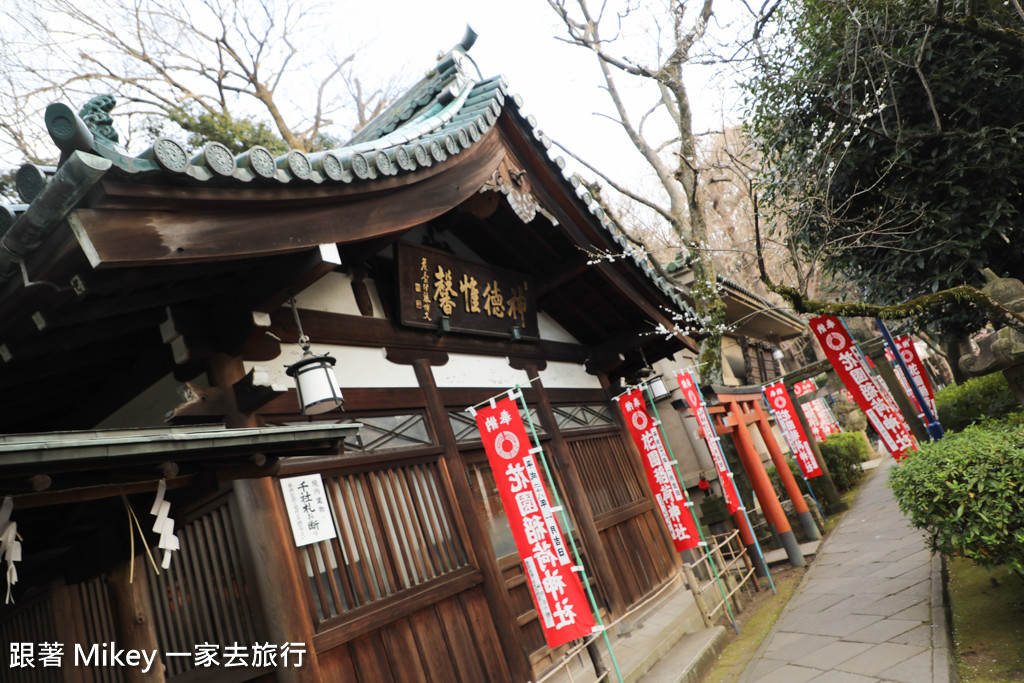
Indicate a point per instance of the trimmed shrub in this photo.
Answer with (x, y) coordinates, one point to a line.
(843, 453)
(967, 492)
(975, 400)
(850, 417)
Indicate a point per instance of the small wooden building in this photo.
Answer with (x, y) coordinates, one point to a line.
(440, 257)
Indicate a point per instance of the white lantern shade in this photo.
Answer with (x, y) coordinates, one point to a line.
(316, 383)
(658, 388)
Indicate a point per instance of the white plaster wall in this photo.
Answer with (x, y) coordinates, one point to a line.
(356, 367)
(568, 376)
(464, 370)
(333, 294)
(551, 331)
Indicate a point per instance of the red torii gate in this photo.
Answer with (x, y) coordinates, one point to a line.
(732, 415)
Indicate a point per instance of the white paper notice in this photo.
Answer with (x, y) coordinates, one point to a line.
(308, 509)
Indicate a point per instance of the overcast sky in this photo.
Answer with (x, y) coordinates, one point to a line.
(559, 83)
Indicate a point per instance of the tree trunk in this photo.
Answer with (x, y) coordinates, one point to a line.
(954, 349)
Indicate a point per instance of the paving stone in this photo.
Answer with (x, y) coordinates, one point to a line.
(842, 677)
(828, 624)
(765, 667)
(789, 674)
(882, 631)
(922, 611)
(820, 602)
(920, 636)
(889, 605)
(831, 656)
(878, 658)
(863, 614)
(789, 647)
(917, 669)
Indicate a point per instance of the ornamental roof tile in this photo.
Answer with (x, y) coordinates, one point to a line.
(445, 113)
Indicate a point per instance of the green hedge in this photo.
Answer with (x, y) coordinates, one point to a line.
(967, 492)
(974, 401)
(843, 453)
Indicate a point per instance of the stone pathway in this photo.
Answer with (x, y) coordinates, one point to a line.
(870, 608)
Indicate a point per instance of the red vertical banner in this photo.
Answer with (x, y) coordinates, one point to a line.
(902, 379)
(696, 403)
(908, 352)
(554, 584)
(805, 387)
(852, 368)
(661, 476)
(789, 424)
(819, 418)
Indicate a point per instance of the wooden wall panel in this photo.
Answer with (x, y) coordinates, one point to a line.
(337, 665)
(451, 641)
(433, 649)
(639, 555)
(370, 660)
(481, 625)
(464, 650)
(403, 652)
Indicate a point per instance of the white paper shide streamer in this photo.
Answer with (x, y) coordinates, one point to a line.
(164, 525)
(10, 546)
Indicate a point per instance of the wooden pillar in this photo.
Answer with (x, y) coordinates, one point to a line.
(577, 496)
(278, 584)
(133, 618)
(505, 622)
(269, 542)
(788, 480)
(67, 621)
(223, 371)
(762, 484)
(828, 484)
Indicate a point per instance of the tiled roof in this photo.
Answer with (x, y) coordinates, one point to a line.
(447, 112)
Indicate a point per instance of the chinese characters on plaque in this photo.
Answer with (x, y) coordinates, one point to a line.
(789, 424)
(872, 398)
(474, 297)
(553, 580)
(696, 403)
(661, 476)
(308, 509)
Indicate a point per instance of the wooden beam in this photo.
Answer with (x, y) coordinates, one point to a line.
(583, 228)
(200, 404)
(255, 390)
(354, 330)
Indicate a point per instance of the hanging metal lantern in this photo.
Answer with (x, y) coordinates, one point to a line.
(658, 388)
(314, 376)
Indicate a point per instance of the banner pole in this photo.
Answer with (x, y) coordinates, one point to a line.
(689, 503)
(807, 482)
(935, 430)
(568, 530)
(708, 438)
